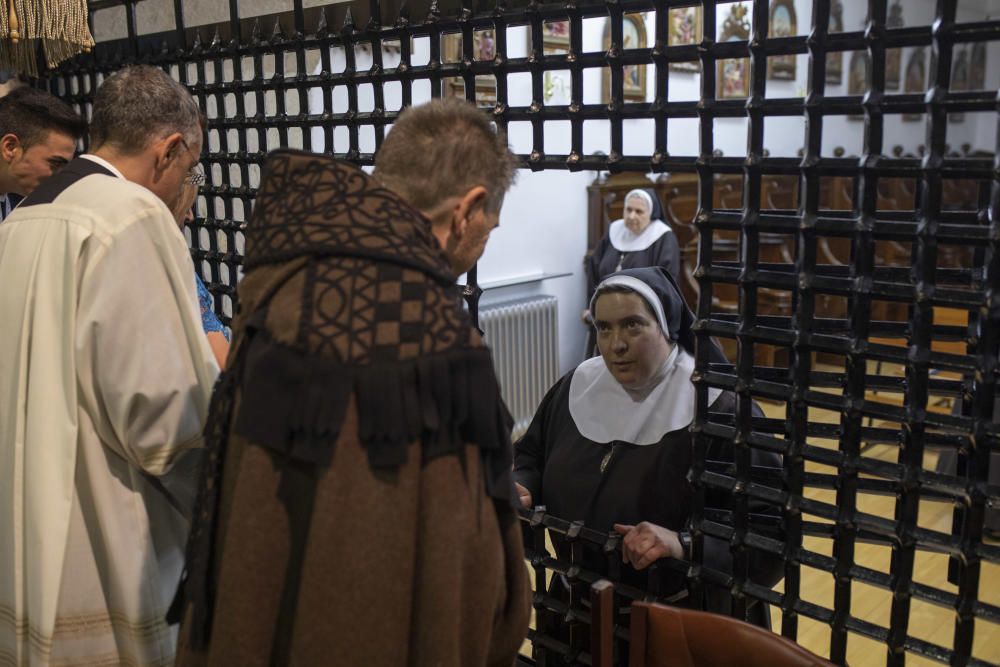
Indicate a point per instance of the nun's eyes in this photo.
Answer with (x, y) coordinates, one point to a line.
(628, 325)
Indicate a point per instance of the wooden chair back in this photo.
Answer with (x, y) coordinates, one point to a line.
(663, 636)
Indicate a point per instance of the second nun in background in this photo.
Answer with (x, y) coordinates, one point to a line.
(637, 240)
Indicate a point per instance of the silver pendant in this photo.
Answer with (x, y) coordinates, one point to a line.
(606, 459)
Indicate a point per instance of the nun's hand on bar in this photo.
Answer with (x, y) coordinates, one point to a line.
(585, 316)
(524, 496)
(646, 543)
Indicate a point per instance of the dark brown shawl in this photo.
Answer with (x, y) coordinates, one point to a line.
(346, 293)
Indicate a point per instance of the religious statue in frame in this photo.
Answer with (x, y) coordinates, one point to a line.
(732, 77)
(685, 28)
(977, 67)
(835, 59)
(916, 78)
(858, 76)
(893, 57)
(633, 76)
(782, 24)
(556, 84)
(959, 80)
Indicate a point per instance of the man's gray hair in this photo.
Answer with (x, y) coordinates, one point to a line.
(140, 104)
(441, 149)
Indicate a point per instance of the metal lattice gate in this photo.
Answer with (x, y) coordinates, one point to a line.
(275, 80)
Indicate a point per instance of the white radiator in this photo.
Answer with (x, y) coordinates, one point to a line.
(524, 338)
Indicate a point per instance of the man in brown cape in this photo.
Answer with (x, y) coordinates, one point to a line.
(357, 502)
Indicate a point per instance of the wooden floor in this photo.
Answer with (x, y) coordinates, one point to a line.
(927, 622)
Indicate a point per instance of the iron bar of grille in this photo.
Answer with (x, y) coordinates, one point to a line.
(706, 147)
(797, 411)
(300, 78)
(924, 263)
(860, 303)
(974, 462)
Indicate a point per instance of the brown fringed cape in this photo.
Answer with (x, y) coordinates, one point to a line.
(356, 507)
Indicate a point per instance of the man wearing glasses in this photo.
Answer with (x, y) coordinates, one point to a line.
(215, 330)
(106, 378)
(38, 135)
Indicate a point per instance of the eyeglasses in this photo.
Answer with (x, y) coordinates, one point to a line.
(196, 175)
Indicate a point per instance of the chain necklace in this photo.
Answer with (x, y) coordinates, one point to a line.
(621, 260)
(607, 457)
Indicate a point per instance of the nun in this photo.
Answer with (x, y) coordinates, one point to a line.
(610, 443)
(638, 239)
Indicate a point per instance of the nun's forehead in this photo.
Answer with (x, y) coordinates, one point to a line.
(621, 290)
(637, 196)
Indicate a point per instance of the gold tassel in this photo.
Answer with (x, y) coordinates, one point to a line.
(65, 31)
(14, 35)
(58, 27)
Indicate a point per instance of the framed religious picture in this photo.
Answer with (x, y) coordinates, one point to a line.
(555, 37)
(959, 80)
(916, 78)
(894, 57)
(633, 76)
(556, 84)
(483, 50)
(835, 60)
(893, 64)
(451, 47)
(557, 88)
(685, 28)
(732, 77)
(485, 45)
(977, 67)
(858, 76)
(782, 24)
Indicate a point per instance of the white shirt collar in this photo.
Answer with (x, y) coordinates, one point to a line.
(104, 163)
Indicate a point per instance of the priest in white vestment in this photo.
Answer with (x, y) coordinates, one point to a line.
(106, 377)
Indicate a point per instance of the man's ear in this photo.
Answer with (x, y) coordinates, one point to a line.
(9, 143)
(467, 205)
(168, 149)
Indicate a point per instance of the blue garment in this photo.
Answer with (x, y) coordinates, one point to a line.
(209, 320)
(8, 203)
